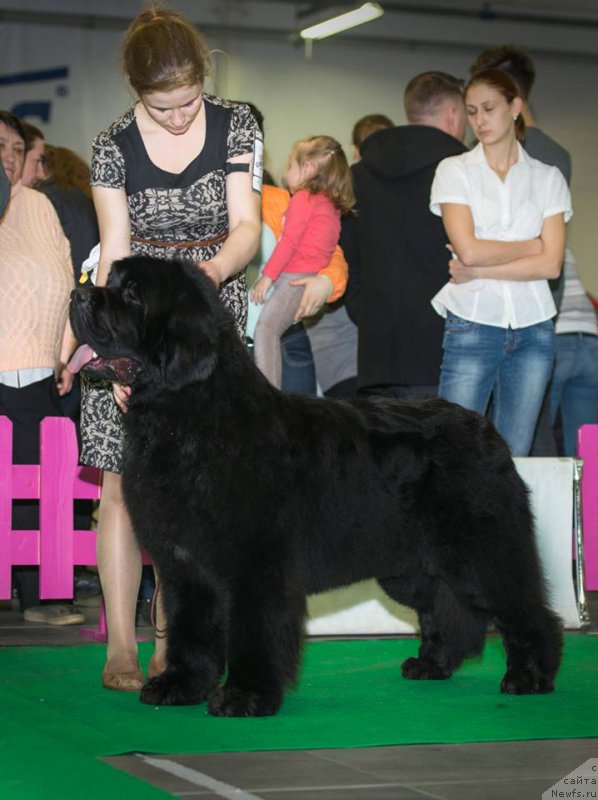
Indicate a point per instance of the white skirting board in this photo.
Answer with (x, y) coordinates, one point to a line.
(364, 609)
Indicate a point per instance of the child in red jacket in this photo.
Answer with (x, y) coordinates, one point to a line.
(319, 180)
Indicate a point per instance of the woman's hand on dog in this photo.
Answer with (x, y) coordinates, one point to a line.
(212, 270)
(121, 396)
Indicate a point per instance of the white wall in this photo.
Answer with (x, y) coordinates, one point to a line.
(341, 82)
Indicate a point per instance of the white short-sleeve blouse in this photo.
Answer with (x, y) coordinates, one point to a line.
(510, 210)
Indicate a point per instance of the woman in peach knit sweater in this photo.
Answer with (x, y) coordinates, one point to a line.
(36, 278)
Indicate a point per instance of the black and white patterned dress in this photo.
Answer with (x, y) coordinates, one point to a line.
(183, 208)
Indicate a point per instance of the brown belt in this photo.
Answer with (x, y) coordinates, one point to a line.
(181, 245)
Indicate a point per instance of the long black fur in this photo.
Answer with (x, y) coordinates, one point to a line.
(249, 499)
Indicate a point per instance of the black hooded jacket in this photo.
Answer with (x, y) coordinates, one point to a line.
(396, 249)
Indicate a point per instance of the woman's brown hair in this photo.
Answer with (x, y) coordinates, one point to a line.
(66, 168)
(333, 176)
(504, 85)
(162, 51)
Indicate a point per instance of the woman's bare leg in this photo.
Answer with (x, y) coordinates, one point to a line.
(119, 566)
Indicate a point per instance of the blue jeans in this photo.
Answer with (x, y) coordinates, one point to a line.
(298, 369)
(511, 366)
(575, 385)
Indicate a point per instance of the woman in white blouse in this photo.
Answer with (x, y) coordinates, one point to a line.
(504, 214)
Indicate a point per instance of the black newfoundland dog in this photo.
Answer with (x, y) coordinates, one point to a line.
(249, 499)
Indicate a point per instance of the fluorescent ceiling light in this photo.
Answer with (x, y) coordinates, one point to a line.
(365, 13)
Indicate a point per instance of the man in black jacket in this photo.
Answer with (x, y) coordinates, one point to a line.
(395, 246)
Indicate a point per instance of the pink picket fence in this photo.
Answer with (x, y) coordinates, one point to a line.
(56, 481)
(587, 450)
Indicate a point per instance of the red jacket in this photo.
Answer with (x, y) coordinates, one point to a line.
(310, 233)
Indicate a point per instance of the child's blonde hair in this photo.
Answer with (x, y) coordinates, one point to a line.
(333, 177)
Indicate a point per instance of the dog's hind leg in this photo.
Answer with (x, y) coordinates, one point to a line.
(532, 636)
(513, 597)
(449, 630)
(511, 591)
(195, 646)
(266, 634)
(508, 589)
(533, 652)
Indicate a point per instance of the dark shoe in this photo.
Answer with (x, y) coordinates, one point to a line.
(130, 681)
(87, 584)
(54, 614)
(143, 614)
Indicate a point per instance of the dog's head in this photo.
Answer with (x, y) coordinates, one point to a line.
(155, 323)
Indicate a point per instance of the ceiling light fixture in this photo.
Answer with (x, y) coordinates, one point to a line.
(342, 22)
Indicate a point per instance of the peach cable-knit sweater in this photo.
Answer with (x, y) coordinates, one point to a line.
(36, 278)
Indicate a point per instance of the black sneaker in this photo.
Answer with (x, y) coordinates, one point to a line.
(143, 614)
(87, 584)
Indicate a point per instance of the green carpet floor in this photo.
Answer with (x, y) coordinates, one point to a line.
(55, 719)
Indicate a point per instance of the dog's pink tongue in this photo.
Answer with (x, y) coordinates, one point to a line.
(80, 358)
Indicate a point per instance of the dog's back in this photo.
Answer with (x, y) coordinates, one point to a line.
(392, 484)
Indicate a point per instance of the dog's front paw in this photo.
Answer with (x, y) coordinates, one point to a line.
(231, 701)
(525, 681)
(419, 669)
(172, 689)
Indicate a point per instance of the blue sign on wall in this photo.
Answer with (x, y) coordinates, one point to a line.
(42, 108)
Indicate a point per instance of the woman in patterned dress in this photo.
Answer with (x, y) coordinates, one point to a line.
(177, 176)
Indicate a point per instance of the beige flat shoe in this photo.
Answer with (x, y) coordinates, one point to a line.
(154, 668)
(131, 681)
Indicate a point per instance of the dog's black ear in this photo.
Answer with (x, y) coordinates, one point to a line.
(188, 351)
(131, 294)
(187, 367)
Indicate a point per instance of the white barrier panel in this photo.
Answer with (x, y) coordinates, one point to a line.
(552, 485)
(358, 610)
(364, 609)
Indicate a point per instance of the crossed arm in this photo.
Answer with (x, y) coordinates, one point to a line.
(528, 260)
